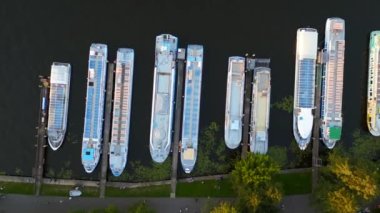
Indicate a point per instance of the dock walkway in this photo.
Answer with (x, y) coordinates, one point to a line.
(178, 120)
(250, 65)
(38, 170)
(317, 120)
(106, 130)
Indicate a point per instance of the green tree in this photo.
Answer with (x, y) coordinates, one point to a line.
(224, 207)
(279, 155)
(286, 104)
(366, 147)
(65, 172)
(51, 173)
(356, 179)
(212, 153)
(111, 209)
(347, 183)
(253, 181)
(18, 172)
(366, 152)
(300, 158)
(140, 207)
(341, 200)
(140, 173)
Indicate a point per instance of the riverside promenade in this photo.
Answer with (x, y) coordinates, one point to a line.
(31, 204)
(87, 183)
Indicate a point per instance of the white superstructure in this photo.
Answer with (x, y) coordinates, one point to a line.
(121, 110)
(234, 102)
(58, 103)
(304, 85)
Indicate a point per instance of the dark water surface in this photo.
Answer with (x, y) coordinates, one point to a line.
(33, 35)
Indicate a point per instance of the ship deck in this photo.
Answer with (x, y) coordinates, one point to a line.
(333, 81)
(262, 107)
(190, 122)
(92, 134)
(58, 103)
(373, 97)
(163, 92)
(121, 110)
(304, 88)
(234, 103)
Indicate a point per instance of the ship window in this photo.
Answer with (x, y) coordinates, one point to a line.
(87, 153)
(90, 84)
(371, 82)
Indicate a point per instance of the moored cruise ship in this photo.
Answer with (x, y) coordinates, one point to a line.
(58, 103)
(93, 121)
(234, 102)
(373, 97)
(163, 97)
(191, 110)
(332, 82)
(304, 85)
(260, 107)
(121, 110)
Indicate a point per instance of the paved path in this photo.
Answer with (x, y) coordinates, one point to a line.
(31, 204)
(89, 183)
(297, 204)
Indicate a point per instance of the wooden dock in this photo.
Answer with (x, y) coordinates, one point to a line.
(38, 170)
(316, 162)
(106, 130)
(178, 120)
(250, 65)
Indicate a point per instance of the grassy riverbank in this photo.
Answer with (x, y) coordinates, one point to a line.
(292, 183)
(149, 191)
(16, 188)
(59, 190)
(295, 183)
(207, 188)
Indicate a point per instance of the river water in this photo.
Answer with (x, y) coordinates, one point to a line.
(33, 35)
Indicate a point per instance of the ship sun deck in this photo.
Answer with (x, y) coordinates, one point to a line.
(373, 105)
(163, 92)
(121, 110)
(304, 101)
(190, 122)
(162, 107)
(306, 85)
(234, 102)
(304, 88)
(191, 104)
(260, 111)
(262, 102)
(331, 112)
(92, 134)
(58, 103)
